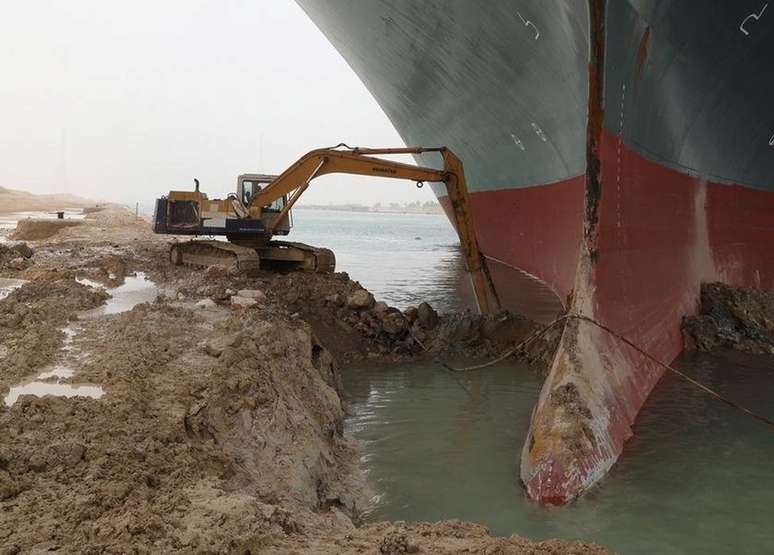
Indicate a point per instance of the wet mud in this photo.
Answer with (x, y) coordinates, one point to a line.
(733, 318)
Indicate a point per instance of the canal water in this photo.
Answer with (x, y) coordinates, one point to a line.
(403, 259)
(697, 477)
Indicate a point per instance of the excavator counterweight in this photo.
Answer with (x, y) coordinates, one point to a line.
(261, 209)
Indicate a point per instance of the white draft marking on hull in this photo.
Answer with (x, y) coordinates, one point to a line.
(519, 144)
(528, 23)
(539, 132)
(755, 16)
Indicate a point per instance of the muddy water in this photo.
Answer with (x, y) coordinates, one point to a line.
(135, 290)
(696, 478)
(57, 379)
(7, 285)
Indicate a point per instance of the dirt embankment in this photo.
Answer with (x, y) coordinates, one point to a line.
(735, 318)
(219, 445)
(347, 319)
(220, 427)
(35, 230)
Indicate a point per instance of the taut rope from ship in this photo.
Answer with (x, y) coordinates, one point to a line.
(545, 329)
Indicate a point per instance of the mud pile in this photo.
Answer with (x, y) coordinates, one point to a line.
(35, 230)
(31, 322)
(218, 445)
(15, 256)
(347, 319)
(443, 538)
(735, 318)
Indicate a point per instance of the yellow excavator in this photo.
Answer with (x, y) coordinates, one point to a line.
(261, 209)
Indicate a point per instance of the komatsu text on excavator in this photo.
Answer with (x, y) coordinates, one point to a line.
(260, 210)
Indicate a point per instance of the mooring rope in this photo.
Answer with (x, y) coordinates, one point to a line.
(542, 331)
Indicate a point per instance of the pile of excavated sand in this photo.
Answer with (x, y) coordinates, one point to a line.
(219, 446)
(35, 230)
(349, 321)
(31, 319)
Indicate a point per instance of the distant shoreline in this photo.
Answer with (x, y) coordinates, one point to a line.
(434, 210)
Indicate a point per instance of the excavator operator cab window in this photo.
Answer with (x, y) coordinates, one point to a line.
(277, 205)
(249, 190)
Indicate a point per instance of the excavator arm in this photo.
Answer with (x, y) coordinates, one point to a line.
(361, 161)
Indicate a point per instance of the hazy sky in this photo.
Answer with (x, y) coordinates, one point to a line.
(124, 101)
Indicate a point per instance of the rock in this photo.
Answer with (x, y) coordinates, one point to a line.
(180, 296)
(381, 306)
(411, 314)
(393, 543)
(10, 550)
(8, 487)
(17, 263)
(230, 292)
(15, 250)
(360, 299)
(463, 329)
(393, 322)
(335, 299)
(205, 303)
(215, 272)
(342, 521)
(256, 294)
(38, 463)
(244, 302)
(72, 453)
(216, 345)
(21, 248)
(427, 316)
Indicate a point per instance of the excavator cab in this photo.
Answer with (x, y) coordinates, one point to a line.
(249, 185)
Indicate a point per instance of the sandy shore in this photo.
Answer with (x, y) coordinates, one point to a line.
(217, 428)
(12, 200)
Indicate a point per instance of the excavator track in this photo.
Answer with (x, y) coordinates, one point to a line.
(282, 255)
(302, 256)
(215, 253)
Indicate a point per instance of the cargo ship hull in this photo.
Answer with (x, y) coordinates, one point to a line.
(620, 153)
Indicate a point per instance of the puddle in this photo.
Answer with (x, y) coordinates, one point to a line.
(135, 290)
(90, 283)
(41, 389)
(57, 372)
(45, 385)
(68, 340)
(7, 285)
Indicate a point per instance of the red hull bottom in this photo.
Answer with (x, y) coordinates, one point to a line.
(661, 233)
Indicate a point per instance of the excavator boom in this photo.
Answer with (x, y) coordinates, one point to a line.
(361, 161)
(250, 221)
